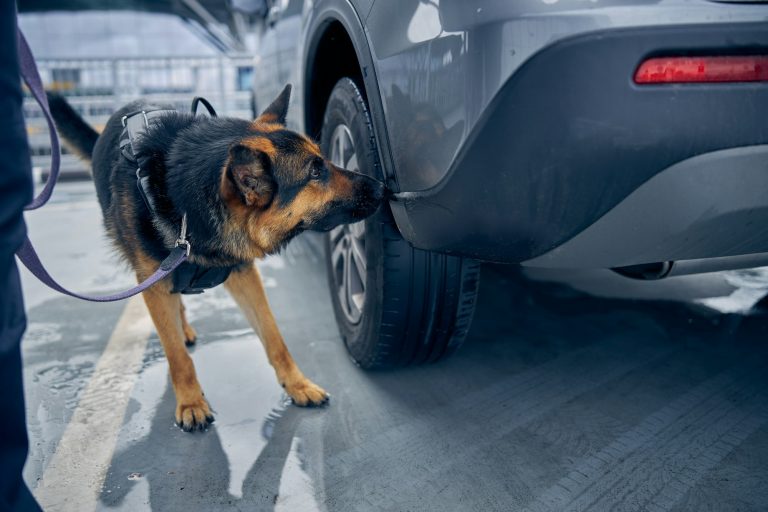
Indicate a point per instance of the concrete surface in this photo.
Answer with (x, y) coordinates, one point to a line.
(573, 392)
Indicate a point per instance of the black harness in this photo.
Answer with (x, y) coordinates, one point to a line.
(188, 277)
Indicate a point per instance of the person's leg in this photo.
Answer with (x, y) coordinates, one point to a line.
(15, 192)
(14, 494)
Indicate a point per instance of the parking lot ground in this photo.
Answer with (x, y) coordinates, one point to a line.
(579, 391)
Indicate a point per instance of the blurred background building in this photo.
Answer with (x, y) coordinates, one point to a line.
(101, 60)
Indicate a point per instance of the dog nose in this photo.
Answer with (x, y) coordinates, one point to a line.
(370, 189)
(370, 195)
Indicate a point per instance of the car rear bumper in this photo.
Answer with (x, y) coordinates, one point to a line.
(711, 205)
(670, 171)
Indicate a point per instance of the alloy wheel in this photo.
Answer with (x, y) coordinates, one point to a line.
(348, 241)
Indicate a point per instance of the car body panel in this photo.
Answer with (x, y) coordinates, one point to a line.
(441, 63)
(266, 79)
(292, 25)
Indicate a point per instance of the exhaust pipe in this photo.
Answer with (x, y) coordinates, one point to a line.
(665, 269)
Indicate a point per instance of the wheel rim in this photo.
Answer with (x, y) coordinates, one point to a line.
(348, 259)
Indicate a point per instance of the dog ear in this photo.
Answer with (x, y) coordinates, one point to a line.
(278, 109)
(249, 171)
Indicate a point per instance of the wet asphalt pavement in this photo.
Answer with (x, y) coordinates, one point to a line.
(582, 391)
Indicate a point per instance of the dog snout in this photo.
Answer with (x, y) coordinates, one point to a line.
(369, 194)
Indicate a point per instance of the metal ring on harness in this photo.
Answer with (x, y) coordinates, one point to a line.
(182, 240)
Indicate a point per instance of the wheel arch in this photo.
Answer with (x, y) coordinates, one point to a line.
(337, 47)
(332, 56)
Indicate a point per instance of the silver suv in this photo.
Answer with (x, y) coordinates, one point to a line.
(624, 134)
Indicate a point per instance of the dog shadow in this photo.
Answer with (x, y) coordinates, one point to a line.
(182, 469)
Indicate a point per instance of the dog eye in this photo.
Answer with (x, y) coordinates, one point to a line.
(315, 172)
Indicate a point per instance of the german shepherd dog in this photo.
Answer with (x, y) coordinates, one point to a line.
(247, 188)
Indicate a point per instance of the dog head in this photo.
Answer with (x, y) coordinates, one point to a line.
(277, 183)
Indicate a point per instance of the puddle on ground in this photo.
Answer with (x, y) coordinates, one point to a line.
(42, 332)
(65, 380)
(751, 287)
(297, 490)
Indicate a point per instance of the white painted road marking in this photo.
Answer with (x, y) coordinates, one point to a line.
(74, 476)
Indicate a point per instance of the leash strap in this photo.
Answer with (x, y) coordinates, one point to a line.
(29, 258)
(26, 252)
(31, 77)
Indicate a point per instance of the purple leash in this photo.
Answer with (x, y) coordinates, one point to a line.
(26, 252)
(31, 77)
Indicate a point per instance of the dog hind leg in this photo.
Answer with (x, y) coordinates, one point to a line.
(246, 288)
(190, 335)
(192, 410)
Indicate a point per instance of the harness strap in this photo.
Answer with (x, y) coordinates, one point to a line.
(135, 126)
(206, 104)
(26, 252)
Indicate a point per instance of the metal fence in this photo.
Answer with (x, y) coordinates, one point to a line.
(98, 87)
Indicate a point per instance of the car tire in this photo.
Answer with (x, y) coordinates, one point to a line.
(395, 305)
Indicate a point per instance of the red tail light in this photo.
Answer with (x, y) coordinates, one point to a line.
(679, 70)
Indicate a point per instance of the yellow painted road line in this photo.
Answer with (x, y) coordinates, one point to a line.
(74, 476)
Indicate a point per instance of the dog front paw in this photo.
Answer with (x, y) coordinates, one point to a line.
(194, 415)
(306, 393)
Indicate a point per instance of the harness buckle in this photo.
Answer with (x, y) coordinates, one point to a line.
(124, 119)
(185, 244)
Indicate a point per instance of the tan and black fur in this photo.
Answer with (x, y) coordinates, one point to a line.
(247, 187)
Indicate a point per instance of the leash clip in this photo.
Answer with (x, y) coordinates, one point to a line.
(182, 240)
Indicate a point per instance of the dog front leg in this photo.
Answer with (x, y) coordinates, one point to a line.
(246, 288)
(192, 410)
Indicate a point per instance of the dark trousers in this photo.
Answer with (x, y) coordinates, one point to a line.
(14, 494)
(15, 192)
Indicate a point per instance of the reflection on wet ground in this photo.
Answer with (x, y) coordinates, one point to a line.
(564, 397)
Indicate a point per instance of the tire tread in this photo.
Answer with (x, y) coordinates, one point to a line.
(427, 298)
